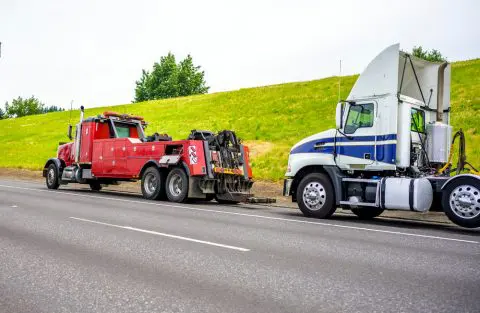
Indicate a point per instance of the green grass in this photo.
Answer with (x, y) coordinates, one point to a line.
(270, 119)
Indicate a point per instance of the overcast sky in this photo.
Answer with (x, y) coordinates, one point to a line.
(92, 51)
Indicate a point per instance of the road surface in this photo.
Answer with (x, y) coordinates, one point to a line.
(78, 251)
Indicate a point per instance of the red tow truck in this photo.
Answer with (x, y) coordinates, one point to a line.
(113, 147)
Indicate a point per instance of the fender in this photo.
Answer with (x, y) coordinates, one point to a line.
(147, 165)
(457, 177)
(157, 165)
(59, 164)
(298, 161)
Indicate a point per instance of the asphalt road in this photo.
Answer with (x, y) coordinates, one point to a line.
(78, 251)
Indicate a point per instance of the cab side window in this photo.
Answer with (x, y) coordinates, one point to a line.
(418, 121)
(359, 116)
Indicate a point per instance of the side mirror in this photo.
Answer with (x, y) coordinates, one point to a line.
(339, 116)
(70, 132)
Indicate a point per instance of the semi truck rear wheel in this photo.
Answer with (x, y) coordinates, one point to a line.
(367, 213)
(177, 185)
(52, 177)
(461, 201)
(153, 184)
(315, 196)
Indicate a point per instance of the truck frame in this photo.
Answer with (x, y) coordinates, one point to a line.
(391, 148)
(111, 148)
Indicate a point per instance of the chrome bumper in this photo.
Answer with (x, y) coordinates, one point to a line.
(287, 184)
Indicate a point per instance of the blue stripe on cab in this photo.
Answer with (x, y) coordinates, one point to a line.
(385, 152)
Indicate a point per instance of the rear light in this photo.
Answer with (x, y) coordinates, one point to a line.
(214, 156)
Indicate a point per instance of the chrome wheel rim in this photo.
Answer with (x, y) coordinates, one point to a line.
(465, 201)
(175, 185)
(51, 176)
(150, 183)
(314, 196)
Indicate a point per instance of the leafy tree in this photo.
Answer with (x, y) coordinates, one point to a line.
(52, 108)
(23, 107)
(429, 55)
(2, 114)
(190, 78)
(169, 79)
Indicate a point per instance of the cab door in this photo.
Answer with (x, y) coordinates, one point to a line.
(355, 144)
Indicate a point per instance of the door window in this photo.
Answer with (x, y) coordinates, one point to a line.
(360, 115)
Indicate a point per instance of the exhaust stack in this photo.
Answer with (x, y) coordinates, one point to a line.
(441, 90)
(78, 136)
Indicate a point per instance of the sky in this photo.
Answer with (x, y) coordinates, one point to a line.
(92, 51)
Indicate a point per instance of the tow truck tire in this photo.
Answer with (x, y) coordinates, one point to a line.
(367, 213)
(315, 196)
(153, 184)
(52, 177)
(177, 185)
(95, 185)
(461, 201)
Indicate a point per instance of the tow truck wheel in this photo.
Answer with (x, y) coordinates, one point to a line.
(367, 213)
(315, 196)
(153, 184)
(177, 185)
(52, 177)
(461, 201)
(95, 186)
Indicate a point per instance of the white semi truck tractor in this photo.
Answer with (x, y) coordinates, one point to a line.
(390, 149)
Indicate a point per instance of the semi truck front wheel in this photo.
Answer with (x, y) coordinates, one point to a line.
(315, 196)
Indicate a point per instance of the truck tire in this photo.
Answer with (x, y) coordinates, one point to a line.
(95, 185)
(461, 201)
(153, 184)
(367, 213)
(52, 177)
(177, 185)
(315, 196)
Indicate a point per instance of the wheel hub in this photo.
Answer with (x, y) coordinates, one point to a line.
(51, 176)
(465, 201)
(150, 183)
(314, 195)
(175, 185)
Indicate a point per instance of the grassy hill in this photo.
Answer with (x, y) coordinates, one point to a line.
(270, 119)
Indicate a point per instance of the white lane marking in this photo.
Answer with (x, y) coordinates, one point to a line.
(162, 234)
(250, 215)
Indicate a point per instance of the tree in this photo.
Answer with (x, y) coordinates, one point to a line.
(429, 55)
(52, 108)
(169, 79)
(2, 114)
(23, 107)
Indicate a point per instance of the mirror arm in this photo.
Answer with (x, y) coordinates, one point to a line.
(345, 135)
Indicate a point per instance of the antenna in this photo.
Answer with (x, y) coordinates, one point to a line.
(71, 106)
(340, 81)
